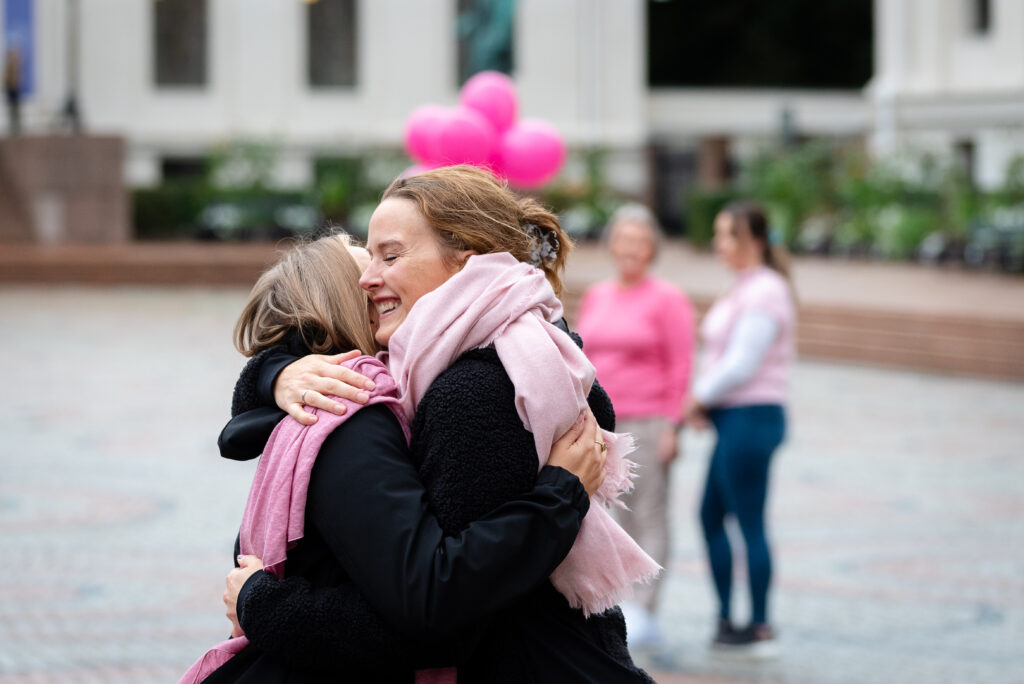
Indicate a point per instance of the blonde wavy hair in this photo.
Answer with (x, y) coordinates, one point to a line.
(469, 209)
(313, 291)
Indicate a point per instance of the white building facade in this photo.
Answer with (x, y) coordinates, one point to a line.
(949, 77)
(942, 80)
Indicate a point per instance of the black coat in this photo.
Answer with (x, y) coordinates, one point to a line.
(473, 455)
(367, 525)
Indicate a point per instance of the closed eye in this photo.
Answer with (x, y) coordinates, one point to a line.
(388, 249)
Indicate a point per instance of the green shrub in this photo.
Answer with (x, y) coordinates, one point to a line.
(900, 229)
(168, 211)
(173, 211)
(583, 207)
(339, 185)
(792, 184)
(701, 208)
(881, 206)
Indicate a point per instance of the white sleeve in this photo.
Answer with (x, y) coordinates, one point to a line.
(750, 339)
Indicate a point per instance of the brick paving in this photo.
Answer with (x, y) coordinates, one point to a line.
(897, 514)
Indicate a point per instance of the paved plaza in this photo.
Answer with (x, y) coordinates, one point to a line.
(897, 508)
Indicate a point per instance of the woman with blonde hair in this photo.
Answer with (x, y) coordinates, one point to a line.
(328, 500)
(463, 274)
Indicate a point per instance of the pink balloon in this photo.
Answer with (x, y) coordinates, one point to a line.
(531, 153)
(467, 138)
(493, 95)
(423, 133)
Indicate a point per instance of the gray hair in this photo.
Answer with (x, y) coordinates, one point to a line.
(635, 213)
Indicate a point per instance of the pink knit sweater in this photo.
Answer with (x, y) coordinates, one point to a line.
(641, 340)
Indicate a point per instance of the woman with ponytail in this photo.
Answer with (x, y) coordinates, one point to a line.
(748, 337)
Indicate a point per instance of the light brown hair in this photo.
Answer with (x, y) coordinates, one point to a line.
(313, 290)
(471, 210)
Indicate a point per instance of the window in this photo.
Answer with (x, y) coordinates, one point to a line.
(183, 168)
(965, 155)
(484, 33)
(332, 43)
(753, 43)
(980, 16)
(179, 37)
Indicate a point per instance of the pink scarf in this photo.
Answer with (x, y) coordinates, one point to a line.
(275, 512)
(497, 300)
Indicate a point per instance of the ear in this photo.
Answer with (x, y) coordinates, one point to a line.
(464, 255)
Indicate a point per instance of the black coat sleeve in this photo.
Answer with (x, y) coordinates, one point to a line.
(369, 506)
(245, 435)
(255, 385)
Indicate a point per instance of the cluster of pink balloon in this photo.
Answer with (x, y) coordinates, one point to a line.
(483, 131)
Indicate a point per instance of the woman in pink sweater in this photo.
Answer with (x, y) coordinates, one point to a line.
(748, 337)
(639, 334)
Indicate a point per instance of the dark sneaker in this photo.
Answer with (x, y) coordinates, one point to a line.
(756, 641)
(726, 635)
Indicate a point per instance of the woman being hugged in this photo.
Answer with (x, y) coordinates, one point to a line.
(748, 336)
(464, 276)
(339, 516)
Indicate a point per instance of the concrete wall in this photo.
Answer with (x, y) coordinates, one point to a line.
(692, 113)
(63, 189)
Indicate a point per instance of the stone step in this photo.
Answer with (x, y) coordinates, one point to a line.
(137, 263)
(1000, 359)
(981, 346)
(959, 344)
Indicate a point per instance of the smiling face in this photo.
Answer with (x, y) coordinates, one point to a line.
(405, 263)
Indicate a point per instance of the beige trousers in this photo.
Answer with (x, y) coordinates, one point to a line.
(647, 518)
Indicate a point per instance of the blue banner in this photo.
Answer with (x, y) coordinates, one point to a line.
(19, 38)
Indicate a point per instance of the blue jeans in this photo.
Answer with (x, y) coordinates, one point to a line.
(737, 484)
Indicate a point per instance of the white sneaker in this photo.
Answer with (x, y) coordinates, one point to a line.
(641, 627)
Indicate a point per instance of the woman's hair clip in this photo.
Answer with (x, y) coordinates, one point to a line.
(543, 245)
